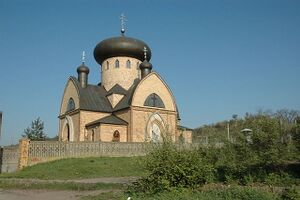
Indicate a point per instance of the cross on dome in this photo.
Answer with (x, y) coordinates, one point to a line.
(145, 53)
(83, 57)
(123, 21)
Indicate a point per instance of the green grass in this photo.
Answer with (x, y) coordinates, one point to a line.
(80, 168)
(12, 184)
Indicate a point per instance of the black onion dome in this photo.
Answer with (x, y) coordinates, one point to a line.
(145, 64)
(121, 46)
(83, 68)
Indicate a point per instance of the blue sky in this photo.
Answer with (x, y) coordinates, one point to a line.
(218, 57)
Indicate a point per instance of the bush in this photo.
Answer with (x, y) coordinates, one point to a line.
(169, 166)
(290, 194)
(261, 159)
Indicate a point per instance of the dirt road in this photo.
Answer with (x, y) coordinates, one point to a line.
(20, 194)
(14, 194)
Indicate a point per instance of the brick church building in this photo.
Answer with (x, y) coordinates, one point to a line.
(131, 104)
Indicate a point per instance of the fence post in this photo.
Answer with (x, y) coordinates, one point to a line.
(23, 151)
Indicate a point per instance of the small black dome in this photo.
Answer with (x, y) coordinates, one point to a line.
(145, 65)
(83, 68)
(120, 46)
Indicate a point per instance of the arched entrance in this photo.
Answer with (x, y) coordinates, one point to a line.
(155, 129)
(155, 133)
(68, 130)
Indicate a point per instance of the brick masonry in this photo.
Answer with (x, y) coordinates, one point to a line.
(123, 76)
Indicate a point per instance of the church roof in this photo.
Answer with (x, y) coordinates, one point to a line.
(120, 46)
(126, 100)
(111, 119)
(117, 89)
(92, 98)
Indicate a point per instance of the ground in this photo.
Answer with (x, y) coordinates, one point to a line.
(13, 194)
(70, 179)
(46, 194)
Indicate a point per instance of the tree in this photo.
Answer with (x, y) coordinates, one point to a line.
(234, 117)
(296, 134)
(35, 131)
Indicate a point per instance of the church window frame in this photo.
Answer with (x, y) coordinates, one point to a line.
(128, 64)
(71, 105)
(154, 100)
(117, 64)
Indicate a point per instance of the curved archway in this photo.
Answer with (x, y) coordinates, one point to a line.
(155, 128)
(68, 129)
(66, 133)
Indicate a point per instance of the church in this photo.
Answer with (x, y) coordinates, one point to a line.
(131, 104)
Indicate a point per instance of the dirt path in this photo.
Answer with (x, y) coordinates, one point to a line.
(13, 194)
(33, 194)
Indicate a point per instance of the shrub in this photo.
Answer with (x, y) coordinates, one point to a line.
(290, 194)
(169, 166)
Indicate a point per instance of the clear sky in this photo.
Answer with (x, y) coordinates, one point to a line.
(219, 57)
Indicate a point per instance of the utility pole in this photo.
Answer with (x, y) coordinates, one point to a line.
(0, 123)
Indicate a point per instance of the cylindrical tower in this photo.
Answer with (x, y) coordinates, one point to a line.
(120, 58)
(83, 72)
(145, 66)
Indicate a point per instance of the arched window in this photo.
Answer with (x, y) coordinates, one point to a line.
(71, 105)
(128, 64)
(137, 65)
(107, 65)
(116, 136)
(153, 100)
(117, 64)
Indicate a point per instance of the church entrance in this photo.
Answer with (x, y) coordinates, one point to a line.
(155, 128)
(155, 133)
(68, 130)
(66, 133)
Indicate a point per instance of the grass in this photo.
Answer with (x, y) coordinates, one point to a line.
(234, 193)
(6, 184)
(80, 168)
(83, 168)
